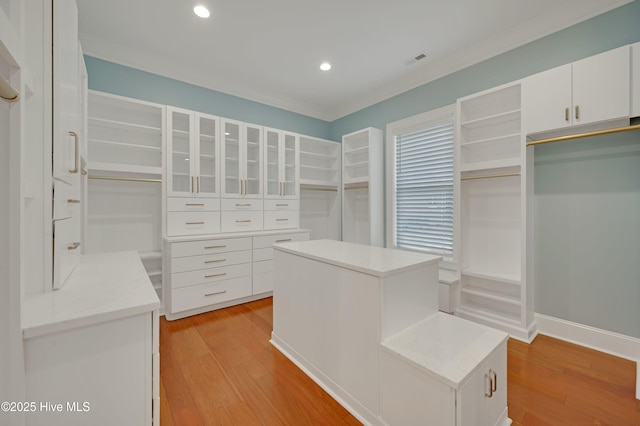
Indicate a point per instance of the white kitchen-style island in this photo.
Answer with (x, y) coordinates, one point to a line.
(363, 322)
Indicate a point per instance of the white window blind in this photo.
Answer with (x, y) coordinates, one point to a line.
(424, 188)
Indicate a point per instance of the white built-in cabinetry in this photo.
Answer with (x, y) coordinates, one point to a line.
(320, 187)
(241, 159)
(124, 207)
(491, 171)
(208, 272)
(362, 180)
(635, 80)
(593, 90)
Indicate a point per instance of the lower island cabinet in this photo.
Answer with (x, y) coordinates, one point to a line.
(445, 370)
(203, 273)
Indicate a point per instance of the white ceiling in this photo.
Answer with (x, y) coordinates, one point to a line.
(270, 50)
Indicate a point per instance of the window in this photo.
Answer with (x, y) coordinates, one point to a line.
(421, 184)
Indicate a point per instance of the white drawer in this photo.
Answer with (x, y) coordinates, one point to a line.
(185, 204)
(262, 254)
(266, 241)
(241, 221)
(240, 204)
(282, 205)
(192, 263)
(197, 296)
(281, 219)
(201, 276)
(190, 223)
(194, 248)
(263, 283)
(263, 266)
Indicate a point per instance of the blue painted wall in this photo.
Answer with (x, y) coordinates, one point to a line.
(125, 81)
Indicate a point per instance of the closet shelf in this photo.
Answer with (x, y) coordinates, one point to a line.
(318, 184)
(125, 145)
(318, 155)
(491, 120)
(124, 168)
(501, 277)
(103, 122)
(481, 314)
(513, 137)
(492, 295)
(354, 151)
(489, 165)
(360, 164)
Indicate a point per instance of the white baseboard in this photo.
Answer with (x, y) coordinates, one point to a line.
(604, 341)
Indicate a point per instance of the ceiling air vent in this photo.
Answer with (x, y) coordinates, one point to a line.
(415, 58)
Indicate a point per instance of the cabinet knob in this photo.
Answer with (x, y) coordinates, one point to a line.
(566, 114)
(577, 112)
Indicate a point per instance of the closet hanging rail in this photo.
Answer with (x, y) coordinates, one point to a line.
(490, 176)
(317, 188)
(125, 179)
(585, 135)
(7, 92)
(365, 186)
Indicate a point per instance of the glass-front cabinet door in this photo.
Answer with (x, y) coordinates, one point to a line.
(253, 161)
(273, 183)
(231, 153)
(179, 169)
(208, 158)
(290, 170)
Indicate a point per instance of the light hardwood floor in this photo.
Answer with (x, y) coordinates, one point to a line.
(218, 368)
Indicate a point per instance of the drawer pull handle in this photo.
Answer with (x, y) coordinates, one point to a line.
(215, 261)
(243, 221)
(214, 247)
(194, 204)
(215, 293)
(243, 205)
(73, 201)
(282, 205)
(216, 275)
(281, 220)
(195, 223)
(283, 241)
(73, 246)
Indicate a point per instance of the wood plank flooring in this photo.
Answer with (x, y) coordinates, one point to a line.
(219, 368)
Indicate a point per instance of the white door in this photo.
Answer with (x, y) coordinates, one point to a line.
(232, 157)
(273, 163)
(252, 138)
(547, 100)
(206, 161)
(181, 180)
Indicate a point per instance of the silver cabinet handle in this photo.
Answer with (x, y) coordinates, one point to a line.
(216, 275)
(198, 184)
(215, 293)
(214, 247)
(245, 187)
(215, 261)
(243, 221)
(193, 187)
(577, 112)
(73, 201)
(281, 220)
(194, 223)
(492, 376)
(194, 204)
(243, 205)
(495, 381)
(84, 171)
(282, 205)
(73, 246)
(241, 187)
(283, 241)
(76, 161)
(566, 114)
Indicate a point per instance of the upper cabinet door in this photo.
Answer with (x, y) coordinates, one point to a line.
(181, 179)
(232, 180)
(290, 166)
(273, 164)
(207, 159)
(66, 83)
(253, 161)
(601, 87)
(547, 100)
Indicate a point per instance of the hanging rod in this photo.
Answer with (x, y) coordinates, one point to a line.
(585, 135)
(312, 188)
(365, 186)
(125, 179)
(490, 176)
(7, 92)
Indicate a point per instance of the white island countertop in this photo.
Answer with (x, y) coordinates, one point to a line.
(446, 347)
(102, 287)
(376, 261)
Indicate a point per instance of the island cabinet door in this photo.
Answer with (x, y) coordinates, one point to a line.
(482, 400)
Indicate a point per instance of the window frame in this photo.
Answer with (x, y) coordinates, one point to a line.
(407, 125)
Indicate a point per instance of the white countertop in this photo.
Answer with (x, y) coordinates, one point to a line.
(218, 236)
(102, 287)
(446, 347)
(376, 261)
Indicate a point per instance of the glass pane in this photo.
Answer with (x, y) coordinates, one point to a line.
(207, 155)
(180, 152)
(232, 158)
(273, 183)
(289, 164)
(253, 160)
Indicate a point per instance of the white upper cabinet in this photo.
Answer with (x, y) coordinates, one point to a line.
(193, 154)
(66, 86)
(281, 170)
(241, 159)
(635, 79)
(592, 90)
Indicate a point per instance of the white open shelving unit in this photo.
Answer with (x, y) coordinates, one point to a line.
(125, 151)
(362, 184)
(320, 187)
(491, 171)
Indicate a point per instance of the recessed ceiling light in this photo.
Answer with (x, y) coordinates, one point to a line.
(201, 11)
(325, 66)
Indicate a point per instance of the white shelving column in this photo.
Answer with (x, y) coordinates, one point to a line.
(320, 187)
(491, 170)
(363, 192)
(125, 154)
